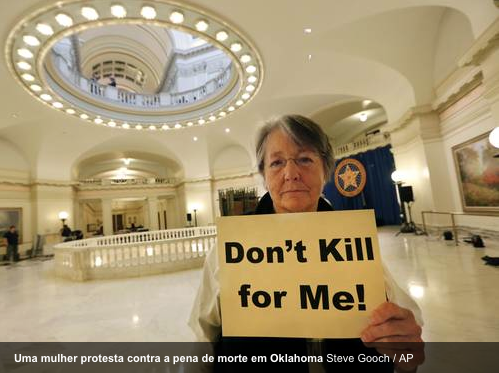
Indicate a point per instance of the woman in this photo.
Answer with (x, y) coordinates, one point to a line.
(295, 159)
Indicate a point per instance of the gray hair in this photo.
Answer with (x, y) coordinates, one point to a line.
(304, 132)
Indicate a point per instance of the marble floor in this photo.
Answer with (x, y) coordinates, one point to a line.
(458, 295)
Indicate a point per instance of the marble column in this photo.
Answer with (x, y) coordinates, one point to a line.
(107, 216)
(152, 209)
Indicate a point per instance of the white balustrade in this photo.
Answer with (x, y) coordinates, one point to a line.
(362, 145)
(134, 254)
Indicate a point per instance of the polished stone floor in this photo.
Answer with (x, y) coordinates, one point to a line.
(458, 295)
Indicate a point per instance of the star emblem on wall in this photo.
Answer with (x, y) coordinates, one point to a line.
(350, 177)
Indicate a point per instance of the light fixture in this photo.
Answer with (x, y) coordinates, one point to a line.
(89, 13)
(416, 291)
(31, 40)
(245, 96)
(165, 127)
(24, 65)
(222, 35)
(148, 12)
(98, 121)
(84, 116)
(125, 126)
(366, 103)
(494, 137)
(178, 125)
(307, 30)
(138, 127)
(201, 121)
(111, 123)
(363, 117)
(222, 114)
(64, 20)
(245, 58)
(252, 79)
(45, 97)
(250, 88)
(118, 11)
(202, 25)
(236, 47)
(44, 29)
(397, 176)
(28, 77)
(231, 108)
(149, 250)
(126, 161)
(57, 105)
(227, 130)
(35, 87)
(98, 261)
(250, 69)
(63, 216)
(26, 53)
(212, 118)
(195, 138)
(152, 128)
(239, 102)
(70, 111)
(309, 57)
(177, 17)
(190, 124)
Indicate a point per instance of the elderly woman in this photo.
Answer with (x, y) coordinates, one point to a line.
(295, 158)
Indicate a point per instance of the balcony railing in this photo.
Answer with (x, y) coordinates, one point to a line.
(123, 97)
(90, 183)
(362, 145)
(134, 254)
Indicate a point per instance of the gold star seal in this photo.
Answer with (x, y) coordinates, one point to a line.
(349, 177)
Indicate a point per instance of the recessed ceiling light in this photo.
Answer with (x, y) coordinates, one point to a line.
(245, 58)
(178, 125)
(239, 102)
(309, 57)
(44, 29)
(189, 124)
(89, 13)
(119, 11)
(28, 77)
(201, 121)
(111, 123)
(24, 65)
(212, 118)
(250, 69)
(177, 17)
(152, 128)
(57, 105)
(222, 113)
(236, 47)
(252, 79)
(202, 25)
(165, 127)
(26, 53)
(195, 138)
(98, 121)
(45, 97)
(35, 87)
(250, 88)
(307, 30)
(138, 127)
(31, 40)
(84, 116)
(227, 130)
(64, 20)
(363, 117)
(125, 126)
(148, 12)
(70, 111)
(231, 108)
(222, 35)
(245, 96)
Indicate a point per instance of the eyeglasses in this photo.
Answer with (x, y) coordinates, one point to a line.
(304, 163)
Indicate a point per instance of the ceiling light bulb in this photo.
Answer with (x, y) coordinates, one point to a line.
(227, 130)
(250, 69)
(138, 127)
(223, 114)
(125, 126)
(64, 20)
(98, 121)
(35, 87)
(201, 121)
(202, 25)
(190, 124)
(165, 127)
(84, 116)
(252, 79)
(310, 57)
(45, 97)
(70, 111)
(26, 53)
(231, 108)
(239, 102)
(222, 35)
(363, 117)
(195, 138)
(176, 17)
(31, 40)
(212, 118)
(250, 88)
(245, 96)
(178, 125)
(152, 128)
(28, 77)
(148, 12)
(236, 47)
(118, 11)
(89, 13)
(44, 29)
(245, 58)
(307, 30)
(111, 124)
(24, 65)
(58, 105)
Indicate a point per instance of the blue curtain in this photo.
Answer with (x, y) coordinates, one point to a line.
(379, 193)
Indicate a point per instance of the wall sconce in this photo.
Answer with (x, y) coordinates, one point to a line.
(63, 215)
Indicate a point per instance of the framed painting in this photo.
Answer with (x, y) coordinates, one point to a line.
(477, 169)
(8, 217)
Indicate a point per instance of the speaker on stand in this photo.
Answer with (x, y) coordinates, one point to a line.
(189, 219)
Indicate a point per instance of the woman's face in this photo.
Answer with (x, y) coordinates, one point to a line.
(295, 186)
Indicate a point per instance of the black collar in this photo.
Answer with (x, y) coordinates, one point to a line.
(266, 206)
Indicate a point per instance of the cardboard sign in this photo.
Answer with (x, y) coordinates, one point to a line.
(312, 275)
